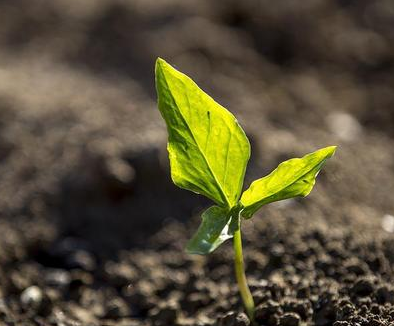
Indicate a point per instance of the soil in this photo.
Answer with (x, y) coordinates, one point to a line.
(93, 231)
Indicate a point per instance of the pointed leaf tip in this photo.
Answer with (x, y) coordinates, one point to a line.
(160, 63)
(330, 150)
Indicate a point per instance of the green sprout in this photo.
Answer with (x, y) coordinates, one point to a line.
(208, 152)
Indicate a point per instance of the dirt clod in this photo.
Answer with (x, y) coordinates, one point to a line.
(362, 287)
(234, 319)
(289, 319)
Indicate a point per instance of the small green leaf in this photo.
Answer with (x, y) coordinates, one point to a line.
(208, 150)
(292, 178)
(218, 225)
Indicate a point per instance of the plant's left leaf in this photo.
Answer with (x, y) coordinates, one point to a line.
(292, 178)
(218, 225)
(208, 149)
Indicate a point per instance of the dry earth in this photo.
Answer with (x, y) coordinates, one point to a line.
(92, 230)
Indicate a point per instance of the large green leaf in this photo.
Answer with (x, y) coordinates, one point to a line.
(292, 178)
(218, 225)
(208, 149)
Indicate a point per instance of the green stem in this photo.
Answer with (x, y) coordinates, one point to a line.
(240, 275)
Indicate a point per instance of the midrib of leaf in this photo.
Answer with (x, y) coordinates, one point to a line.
(228, 149)
(209, 132)
(198, 145)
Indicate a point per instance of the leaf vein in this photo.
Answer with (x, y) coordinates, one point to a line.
(195, 140)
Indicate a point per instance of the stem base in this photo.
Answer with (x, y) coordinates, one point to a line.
(240, 275)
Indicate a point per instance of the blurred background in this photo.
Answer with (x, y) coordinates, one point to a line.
(84, 176)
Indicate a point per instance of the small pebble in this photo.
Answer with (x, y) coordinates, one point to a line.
(58, 278)
(344, 125)
(388, 223)
(32, 297)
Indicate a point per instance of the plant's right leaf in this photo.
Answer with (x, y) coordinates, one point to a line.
(218, 225)
(292, 178)
(208, 149)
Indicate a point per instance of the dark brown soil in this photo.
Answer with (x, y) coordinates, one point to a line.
(93, 231)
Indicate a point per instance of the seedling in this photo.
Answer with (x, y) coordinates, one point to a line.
(208, 152)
